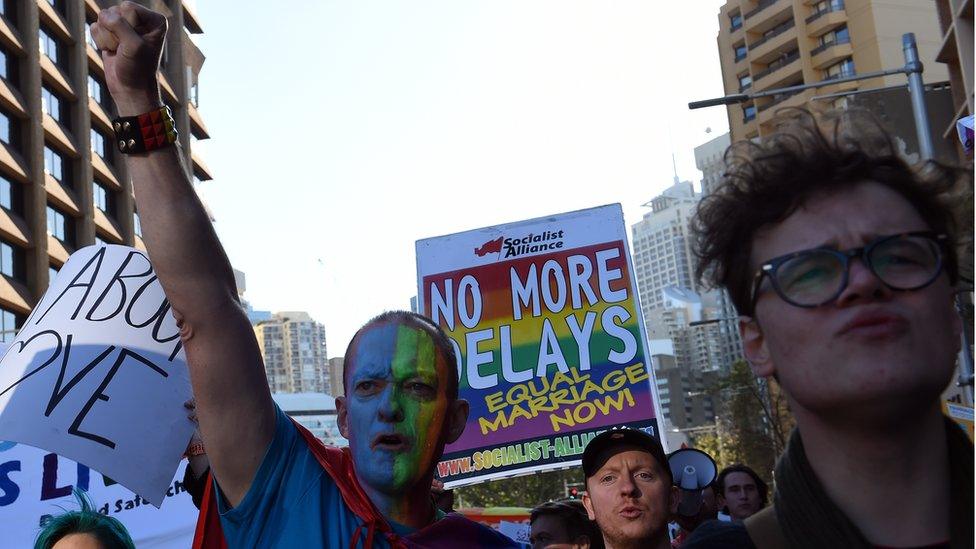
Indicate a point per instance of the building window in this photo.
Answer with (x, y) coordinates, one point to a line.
(748, 113)
(99, 241)
(735, 21)
(840, 35)
(9, 322)
(103, 198)
(8, 261)
(740, 52)
(94, 89)
(841, 69)
(88, 35)
(48, 45)
(52, 273)
(10, 195)
(51, 103)
(745, 82)
(59, 225)
(54, 164)
(136, 225)
(97, 143)
(6, 128)
(8, 9)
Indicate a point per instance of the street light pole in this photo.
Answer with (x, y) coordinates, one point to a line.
(916, 89)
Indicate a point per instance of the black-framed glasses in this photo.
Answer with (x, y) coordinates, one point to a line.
(815, 277)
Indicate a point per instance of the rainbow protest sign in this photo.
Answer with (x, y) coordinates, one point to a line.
(551, 351)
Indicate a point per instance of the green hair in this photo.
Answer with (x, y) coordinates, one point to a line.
(109, 532)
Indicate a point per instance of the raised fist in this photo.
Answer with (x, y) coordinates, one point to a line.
(131, 40)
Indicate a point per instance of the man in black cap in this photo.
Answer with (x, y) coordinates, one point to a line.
(629, 490)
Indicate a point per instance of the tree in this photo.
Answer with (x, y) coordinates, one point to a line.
(522, 491)
(753, 422)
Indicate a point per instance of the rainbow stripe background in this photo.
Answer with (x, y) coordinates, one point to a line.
(495, 284)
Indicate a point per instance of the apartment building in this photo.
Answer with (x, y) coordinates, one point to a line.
(956, 52)
(294, 351)
(772, 44)
(63, 185)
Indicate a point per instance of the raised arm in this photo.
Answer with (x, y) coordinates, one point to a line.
(233, 402)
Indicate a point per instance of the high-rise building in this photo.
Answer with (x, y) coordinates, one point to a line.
(63, 185)
(293, 347)
(662, 245)
(772, 44)
(710, 159)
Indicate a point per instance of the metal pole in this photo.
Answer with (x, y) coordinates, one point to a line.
(916, 89)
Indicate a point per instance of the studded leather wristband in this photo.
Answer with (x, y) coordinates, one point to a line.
(146, 132)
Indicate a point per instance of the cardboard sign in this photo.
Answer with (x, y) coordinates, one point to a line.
(544, 318)
(36, 485)
(97, 372)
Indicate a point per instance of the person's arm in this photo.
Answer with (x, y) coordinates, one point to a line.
(234, 405)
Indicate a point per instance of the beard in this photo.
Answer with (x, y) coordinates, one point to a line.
(634, 538)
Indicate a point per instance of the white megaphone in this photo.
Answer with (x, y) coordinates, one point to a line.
(692, 471)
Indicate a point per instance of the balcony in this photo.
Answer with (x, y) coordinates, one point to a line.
(827, 19)
(776, 65)
(777, 99)
(831, 52)
(837, 5)
(823, 47)
(776, 31)
(763, 4)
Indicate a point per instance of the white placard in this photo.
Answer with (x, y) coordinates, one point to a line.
(36, 485)
(97, 372)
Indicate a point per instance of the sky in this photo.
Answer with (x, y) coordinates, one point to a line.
(343, 132)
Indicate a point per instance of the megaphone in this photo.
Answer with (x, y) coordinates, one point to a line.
(692, 471)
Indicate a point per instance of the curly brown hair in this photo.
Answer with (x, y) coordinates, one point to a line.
(808, 155)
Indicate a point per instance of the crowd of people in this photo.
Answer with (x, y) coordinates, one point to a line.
(841, 260)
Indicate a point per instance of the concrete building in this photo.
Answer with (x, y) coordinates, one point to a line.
(686, 401)
(956, 52)
(662, 245)
(770, 44)
(710, 159)
(294, 351)
(335, 376)
(63, 185)
(314, 411)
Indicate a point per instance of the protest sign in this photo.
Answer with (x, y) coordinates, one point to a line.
(97, 372)
(36, 485)
(544, 318)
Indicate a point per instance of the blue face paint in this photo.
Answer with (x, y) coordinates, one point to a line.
(396, 407)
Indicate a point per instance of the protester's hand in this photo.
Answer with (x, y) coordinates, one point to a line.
(436, 487)
(131, 40)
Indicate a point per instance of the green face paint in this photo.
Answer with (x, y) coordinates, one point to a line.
(423, 401)
(398, 386)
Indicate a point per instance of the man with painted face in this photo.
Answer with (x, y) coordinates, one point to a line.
(841, 261)
(275, 485)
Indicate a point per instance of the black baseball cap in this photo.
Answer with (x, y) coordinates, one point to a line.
(619, 436)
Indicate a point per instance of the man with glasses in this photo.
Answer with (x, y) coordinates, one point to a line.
(841, 261)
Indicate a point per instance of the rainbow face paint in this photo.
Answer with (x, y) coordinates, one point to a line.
(397, 404)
